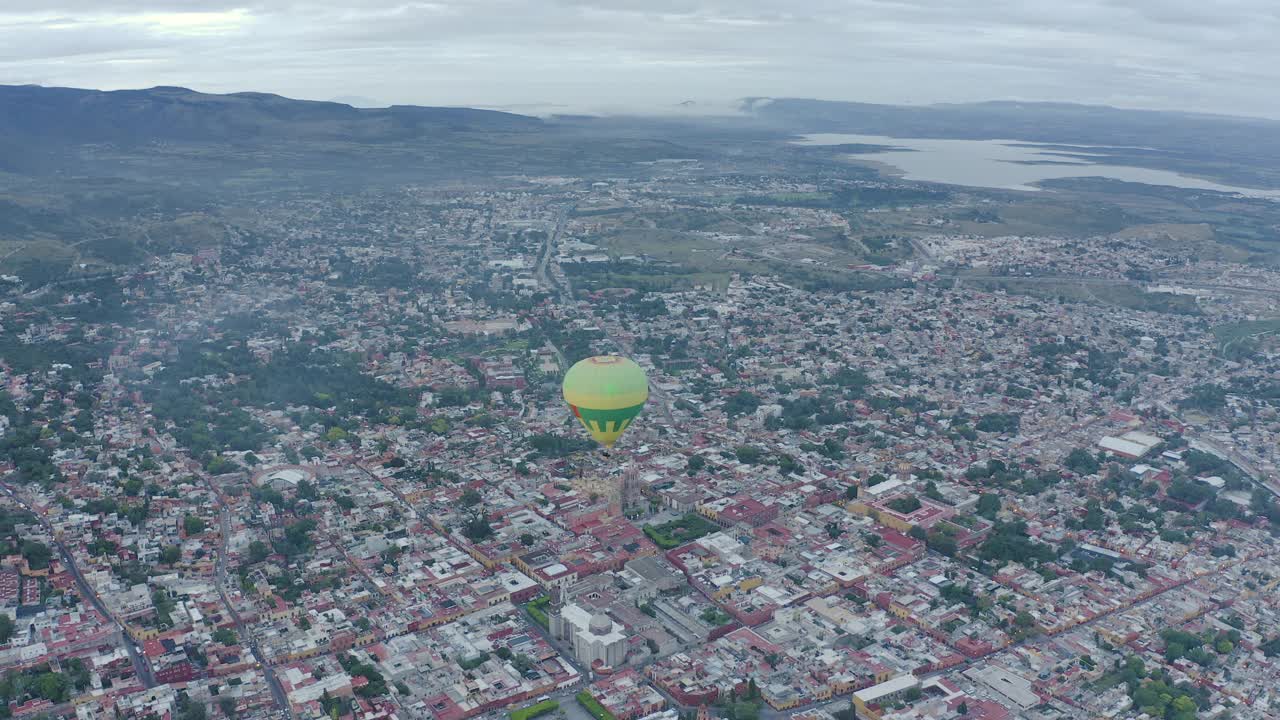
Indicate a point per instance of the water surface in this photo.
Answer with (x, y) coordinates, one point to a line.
(1008, 164)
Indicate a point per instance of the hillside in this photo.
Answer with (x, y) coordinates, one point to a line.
(171, 113)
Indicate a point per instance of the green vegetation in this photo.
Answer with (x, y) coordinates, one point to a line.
(1271, 648)
(1070, 290)
(1206, 397)
(741, 403)
(297, 539)
(557, 446)
(590, 704)
(904, 504)
(849, 198)
(942, 538)
(1082, 462)
(988, 505)
(1010, 542)
(533, 711)
(1232, 333)
(473, 663)
(37, 554)
(1005, 423)
(538, 611)
(477, 527)
(678, 532)
(1154, 694)
(42, 682)
(377, 685)
(164, 606)
(193, 525)
(715, 617)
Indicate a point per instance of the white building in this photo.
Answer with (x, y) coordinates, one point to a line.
(593, 637)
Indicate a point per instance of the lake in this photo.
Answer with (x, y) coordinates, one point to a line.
(1004, 164)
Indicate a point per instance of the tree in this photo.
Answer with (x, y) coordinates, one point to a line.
(695, 464)
(748, 455)
(226, 636)
(51, 686)
(6, 628)
(527, 539)
(904, 504)
(988, 505)
(193, 524)
(1082, 462)
(171, 554)
(470, 498)
(941, 538)
(745, 711)
(258, 551)
(1094, 517)
(1184, 708)
(1207, 397)
(477, 528)
(742, 403)
(307, 490)
(1271, 648)
(963, 709)
(931, 491)
(37, 554)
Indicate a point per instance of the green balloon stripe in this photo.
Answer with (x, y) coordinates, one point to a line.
(609, 420)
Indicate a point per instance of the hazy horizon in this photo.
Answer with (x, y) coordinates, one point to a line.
(625, 56)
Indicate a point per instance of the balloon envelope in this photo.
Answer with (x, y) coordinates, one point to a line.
(606, 393)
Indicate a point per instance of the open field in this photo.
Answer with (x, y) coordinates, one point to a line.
(1119, 295)
(1228, 334)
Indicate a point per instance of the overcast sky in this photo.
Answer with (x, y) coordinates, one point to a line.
(591, 55)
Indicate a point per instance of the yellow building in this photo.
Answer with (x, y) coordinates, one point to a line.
(744, 585)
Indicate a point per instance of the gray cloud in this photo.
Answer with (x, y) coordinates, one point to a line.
(635, 54)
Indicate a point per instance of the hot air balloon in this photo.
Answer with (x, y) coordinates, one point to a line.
(606, 393)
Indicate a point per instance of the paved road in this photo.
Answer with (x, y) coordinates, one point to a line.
(141, 668)
(221, 580)
(543, 272)
(1271, 484)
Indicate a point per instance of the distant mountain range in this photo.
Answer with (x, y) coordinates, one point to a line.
(1041, 121)
(179, 114)
(46, 130)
